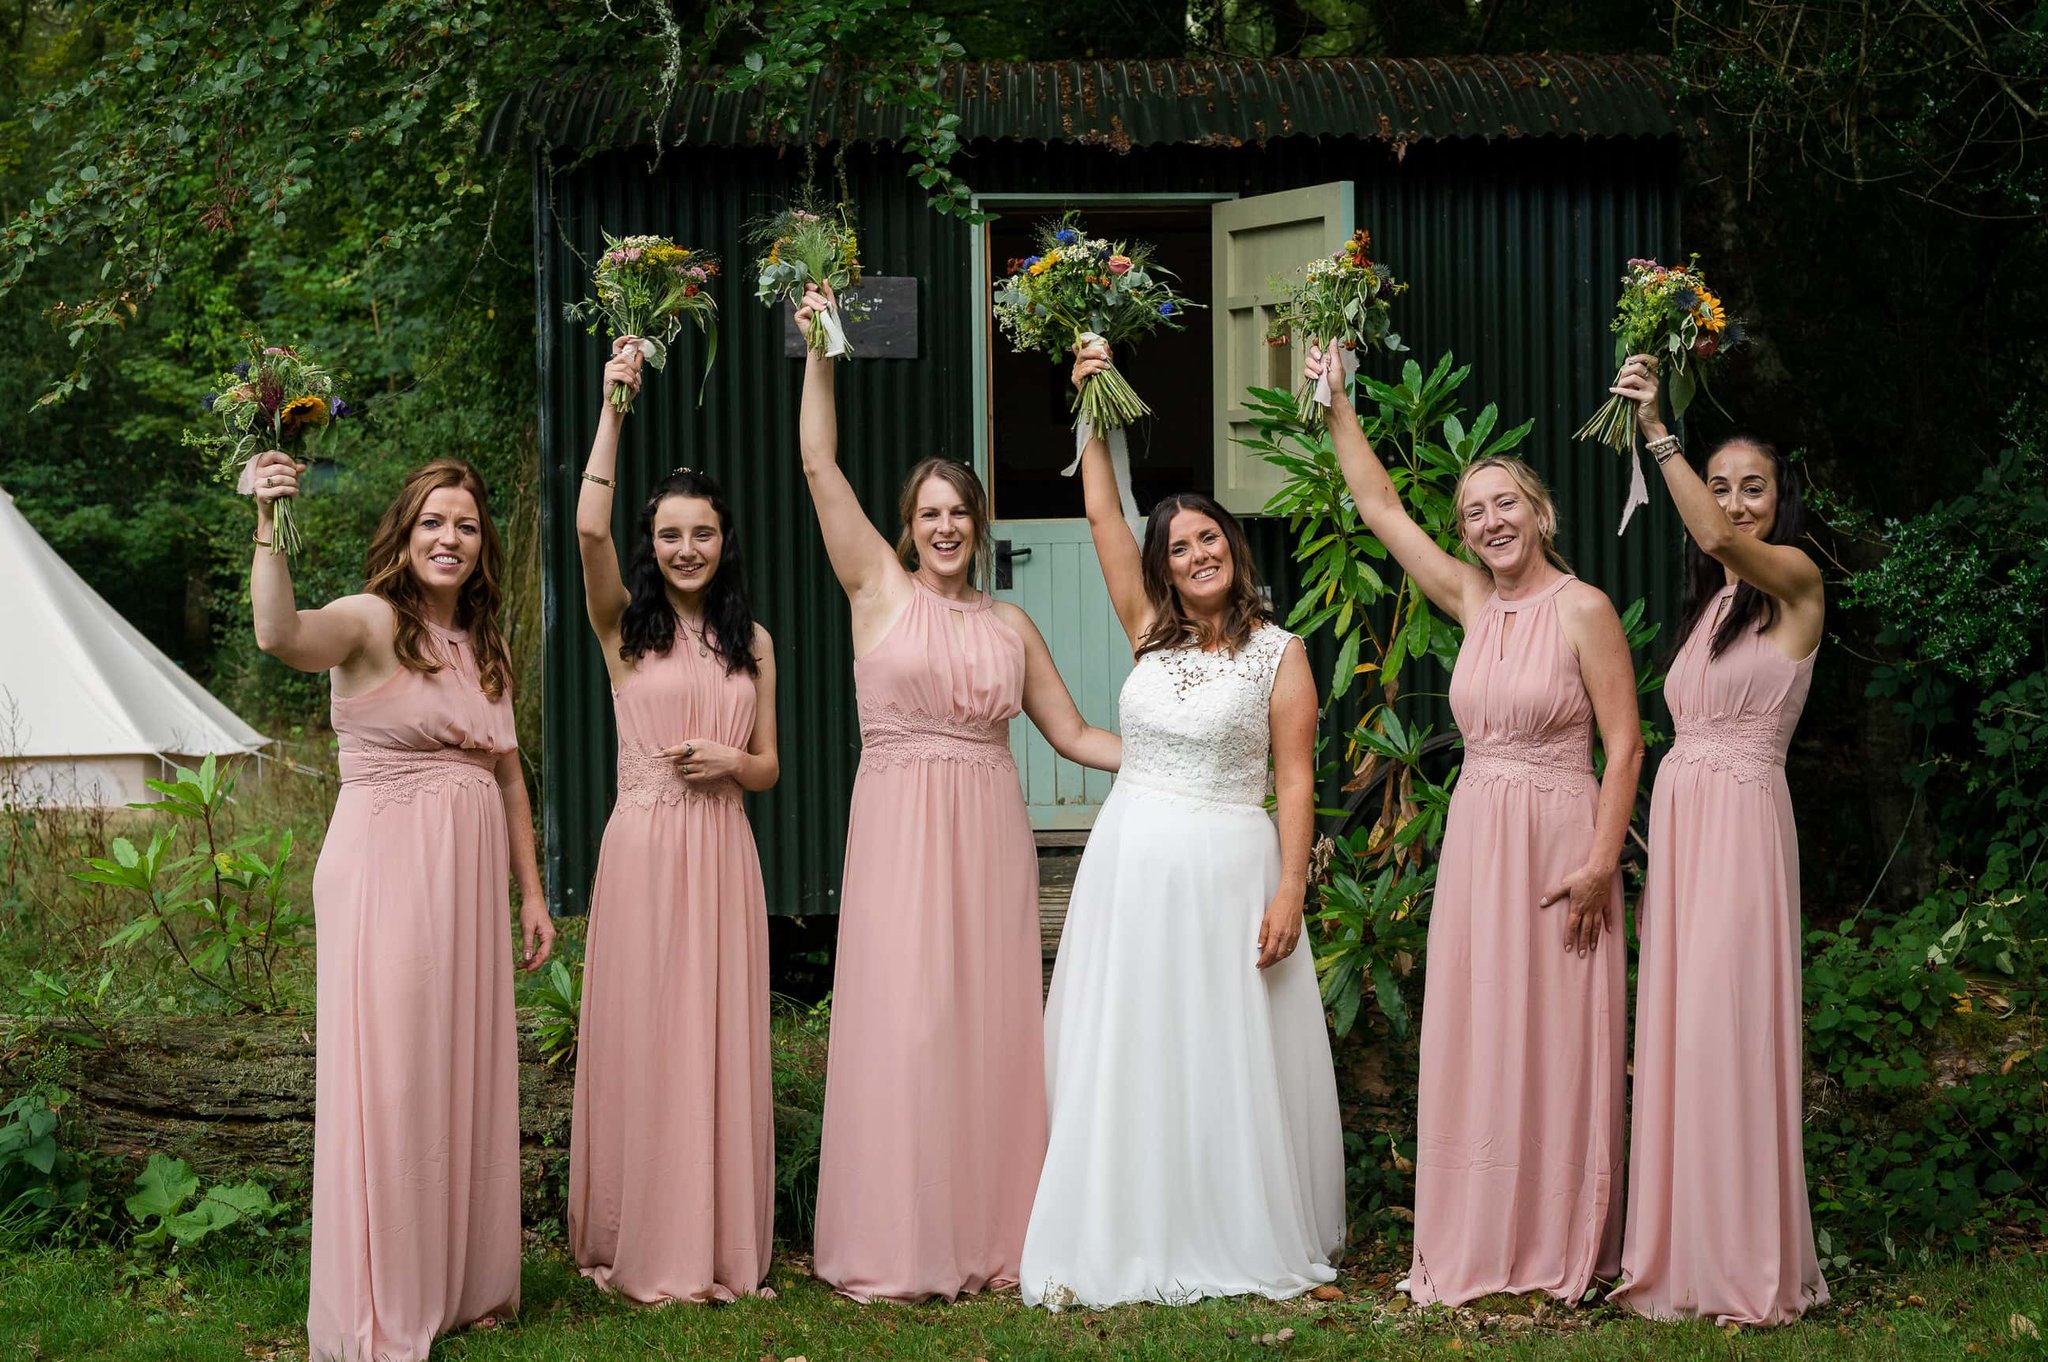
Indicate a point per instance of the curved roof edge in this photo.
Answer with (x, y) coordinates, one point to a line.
(1124, 105)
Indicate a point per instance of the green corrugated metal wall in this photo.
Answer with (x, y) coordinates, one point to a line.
(1515, 249)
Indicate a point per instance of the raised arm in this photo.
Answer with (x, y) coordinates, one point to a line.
(1116, 546)
(1782, 571)
(604, 590)
(1595, 633)
(308, 640)
(861, 558)
(1448, 581)
(1050, 706)
(1292, 720)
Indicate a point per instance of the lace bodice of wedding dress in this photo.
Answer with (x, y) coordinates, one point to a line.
(1196, 724)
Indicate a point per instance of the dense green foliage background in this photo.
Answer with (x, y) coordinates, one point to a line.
(1869, 190)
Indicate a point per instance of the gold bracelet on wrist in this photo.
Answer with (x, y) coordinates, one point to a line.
(601, 482)
(256, 537)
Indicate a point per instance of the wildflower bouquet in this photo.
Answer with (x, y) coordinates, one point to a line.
(1345, 302)
(646, 286)
(1667, 311)
(275, 399)
(1079, 288)
(805, 246)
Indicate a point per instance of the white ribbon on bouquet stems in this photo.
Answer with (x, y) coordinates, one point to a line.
(1119, 457)
(1638, 493)
(1347, 364)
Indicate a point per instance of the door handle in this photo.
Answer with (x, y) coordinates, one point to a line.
(1005, 555)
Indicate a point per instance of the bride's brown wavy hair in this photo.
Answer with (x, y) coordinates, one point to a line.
(388, 575)
(1171, 626)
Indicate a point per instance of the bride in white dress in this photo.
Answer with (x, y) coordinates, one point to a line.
(1196, 1149)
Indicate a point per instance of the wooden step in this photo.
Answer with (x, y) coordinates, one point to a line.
(1055, 885)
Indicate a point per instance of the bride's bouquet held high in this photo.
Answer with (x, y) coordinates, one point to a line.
(279, 399)
(1343, 301)
(804, 245)
(1080, 288)
(646, 287)
(1669, 312)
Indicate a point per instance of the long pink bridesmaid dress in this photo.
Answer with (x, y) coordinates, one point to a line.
(935, 1120)
(672, 1153)
(1718, 1223)
(416, 1115)
(1518, 1159)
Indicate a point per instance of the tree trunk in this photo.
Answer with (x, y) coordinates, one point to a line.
(233, 1096)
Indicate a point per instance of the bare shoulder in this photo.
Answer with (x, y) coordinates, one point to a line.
(1583, 604)
(1016, 617)
(367, 610)
(764, 644)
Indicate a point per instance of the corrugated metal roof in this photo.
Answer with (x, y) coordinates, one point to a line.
(1126, 104)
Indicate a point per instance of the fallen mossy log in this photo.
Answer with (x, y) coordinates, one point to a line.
(233, 1097)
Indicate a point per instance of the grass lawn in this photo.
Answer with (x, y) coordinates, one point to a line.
(82, 1305)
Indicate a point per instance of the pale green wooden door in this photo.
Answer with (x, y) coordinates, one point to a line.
(1257, 243)
(1054, 578)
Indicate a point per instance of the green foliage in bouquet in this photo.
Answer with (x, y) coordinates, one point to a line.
(1667, 311)
(646, 286)
(277, 398)
(1340, 300)
(1079, 285)
(805, 245)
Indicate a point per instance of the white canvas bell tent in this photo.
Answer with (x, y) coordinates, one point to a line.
(89, 708)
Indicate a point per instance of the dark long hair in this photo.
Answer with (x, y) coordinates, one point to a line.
(387, 573)
(1171, 627)
(649, 624)
(1704, 577)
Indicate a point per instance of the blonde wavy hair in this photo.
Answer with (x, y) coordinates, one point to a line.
(1532, 487)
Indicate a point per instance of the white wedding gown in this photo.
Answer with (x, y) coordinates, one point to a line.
(1196, 1149)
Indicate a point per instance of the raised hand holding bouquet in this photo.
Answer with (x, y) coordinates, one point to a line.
(1079, 289)
(1666, 311)
(275, 399)
(806, 246)
(1344, 303)
(646, 286)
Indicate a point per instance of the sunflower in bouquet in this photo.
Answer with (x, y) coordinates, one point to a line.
(277, 398)
(804, 245)
(1669, 312)
(1343, 300)
(646, 287)
(1080, 287)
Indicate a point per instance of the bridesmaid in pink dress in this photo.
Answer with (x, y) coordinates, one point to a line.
(935, 1120)
(1718, 1223)
(416, 1113)
(672, 1155)
(1519, 1113)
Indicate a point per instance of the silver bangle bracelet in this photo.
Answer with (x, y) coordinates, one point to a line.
(1663, 447)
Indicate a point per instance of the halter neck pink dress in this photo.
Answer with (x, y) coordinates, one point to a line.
(672, 1155)
(1518, 1160)
(416, 1115)
(1718, 1223)
(935, 1119)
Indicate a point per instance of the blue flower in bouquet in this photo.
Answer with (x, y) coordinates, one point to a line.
(338, 409)
(1029, 261)
(1066, 236)
(1166, 309)
(206, 402)
(242, 369)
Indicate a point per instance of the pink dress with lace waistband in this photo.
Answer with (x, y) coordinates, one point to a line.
(935, 1091)
(672, 1154)
(1518, 1161)
(1718, 1223)
(416, 1117)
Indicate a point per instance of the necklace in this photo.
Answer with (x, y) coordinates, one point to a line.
(695, 631)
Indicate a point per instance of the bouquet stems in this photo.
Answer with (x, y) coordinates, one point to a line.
(1108, 401)
(1613, 425)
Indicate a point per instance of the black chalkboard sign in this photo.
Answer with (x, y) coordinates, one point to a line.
(880, 318)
